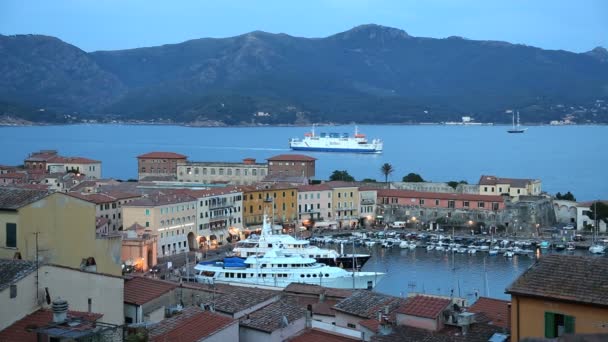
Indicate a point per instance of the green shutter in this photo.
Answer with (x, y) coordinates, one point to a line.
(569, 323)
(549, 325)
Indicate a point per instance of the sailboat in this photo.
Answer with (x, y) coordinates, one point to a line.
(516, 128)
(595, 247)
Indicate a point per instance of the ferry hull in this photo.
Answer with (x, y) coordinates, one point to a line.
(329, 149)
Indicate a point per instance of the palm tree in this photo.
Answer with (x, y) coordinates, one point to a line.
(386, 170)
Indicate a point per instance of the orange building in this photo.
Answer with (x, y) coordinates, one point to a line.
(278, 199)
(139, 247)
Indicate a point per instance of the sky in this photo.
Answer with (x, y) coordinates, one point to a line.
(121, 24)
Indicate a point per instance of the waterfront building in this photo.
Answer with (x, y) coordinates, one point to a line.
(420, 207)
(315, 202)
(108, 205)
(278, 199)
(49, 161)
(565, 212)
(368, 204)
(139, 247)
(291, 165)
(159, 165)
(436, 187)
(560, 294)
(345, 203)
(234, 173)
(514, 187)
(171, 216)
(219, 215)
(55, 228)
(583, 217)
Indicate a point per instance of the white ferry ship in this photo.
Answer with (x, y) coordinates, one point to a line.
(256, 245)
(336, 142)
(279, 268)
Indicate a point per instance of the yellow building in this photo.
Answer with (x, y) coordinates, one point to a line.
(345, 203)
(559, 295)
(60, 229)
(514, 187)
(282, 198)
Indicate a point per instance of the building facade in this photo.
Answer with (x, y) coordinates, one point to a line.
(367, 204)
(108, 205)
(56, 228)
(345, 203)
(49, 161)
(514, 187)
(245, 173)
(219, 216)
(277, 200)
(170, 216)
(315, 201)
(291, 165)
(159, 164)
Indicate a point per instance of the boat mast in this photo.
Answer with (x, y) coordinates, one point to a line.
(513, 119)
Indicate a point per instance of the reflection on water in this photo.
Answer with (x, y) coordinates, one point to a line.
(444, 273)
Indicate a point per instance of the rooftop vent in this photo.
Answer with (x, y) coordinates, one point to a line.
(60, 310)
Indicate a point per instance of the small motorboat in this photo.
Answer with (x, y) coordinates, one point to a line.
(430, 247)
(560, 247)
(545, 245)
(493, 252)
(509, 254)
(571, 247)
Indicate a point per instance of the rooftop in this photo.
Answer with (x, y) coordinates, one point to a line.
(71, 160)
(316, 187)
(366, 304)
(291, 157)
(140, 290)
(437, 195)
(192, 324)
(236, 299)
(102, 197)
(297, 288)
(19, 331)
(162, 155)
(496, 310)
(159, 198)
(272, 317)
(12, 198)
(424, 306)
(514, 182)
(314, 335)
(579, 279)
(11, 271)
(478, 332)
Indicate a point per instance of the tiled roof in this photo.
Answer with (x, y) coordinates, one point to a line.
(14, 175)
(162, 155)
(478, 332)
(140, 290)
(11, 271)
(160, 199)
(299, 288)
(271, 317)
(341, 184)
(236, 299)
(291, 157)
(424, 306)
(92, 197)
(496, 310)
(314, 335)
(71, 160)
(192, 324)
(18, 331)
(581, 279)
(366, 304)
(15, 198)
(514, 182)
(437, 195)
(371, 324)
(316, 187)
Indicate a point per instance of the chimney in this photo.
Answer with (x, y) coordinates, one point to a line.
(386, 310)
(60, 310)
(249, 161)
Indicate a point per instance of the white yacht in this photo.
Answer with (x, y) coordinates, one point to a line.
(279, 268)
(266, 241)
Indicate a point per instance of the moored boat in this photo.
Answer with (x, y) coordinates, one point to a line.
(336, 142)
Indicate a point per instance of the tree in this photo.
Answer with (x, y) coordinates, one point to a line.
(341, 176)
(386, 170)
(599, 211)
(568, 196)
(454, 184)
(368, 180)
(413, 178)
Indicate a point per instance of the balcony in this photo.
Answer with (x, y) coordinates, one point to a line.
(221, 205)
(368, 202)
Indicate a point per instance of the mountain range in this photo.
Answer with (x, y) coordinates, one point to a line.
(369, 74)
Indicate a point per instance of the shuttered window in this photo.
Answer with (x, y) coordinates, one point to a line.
(558, 324)
(11, 235)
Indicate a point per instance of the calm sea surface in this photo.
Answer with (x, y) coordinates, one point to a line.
(566, 158)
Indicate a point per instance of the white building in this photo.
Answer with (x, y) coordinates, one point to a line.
(583, 218)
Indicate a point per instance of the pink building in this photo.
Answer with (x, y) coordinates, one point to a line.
(440, 200)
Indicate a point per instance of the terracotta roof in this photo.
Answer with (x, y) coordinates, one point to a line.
(140, 290)
(366, 304)
(15, 175)
(157, 199)
(580, 279)
(92, 197)
(437, 195)
(11, 271)
(316, 187)
(192, 324)
(341, 184)
(161, 155)
(371, 324)
(291, 157)
(514, 182)
(424, 306)
(236, 299)
(299, 288)
(14, 198)
(314, 335)
(71, 160)
(478, 332)
(18, 331)
(270, 318)
(496, 310)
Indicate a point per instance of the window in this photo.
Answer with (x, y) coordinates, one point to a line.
(350, 325)
(212, 172)
(465, 204)
(11, 235)
(558, 324)
(485, 189)
(13, 293)
(421, 202)
(147, 212)
(481, 204)
(451, 204)
(436, 202)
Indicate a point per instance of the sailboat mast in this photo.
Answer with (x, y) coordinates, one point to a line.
(513, 119)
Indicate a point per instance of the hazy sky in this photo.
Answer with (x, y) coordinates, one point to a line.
(577, 25)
